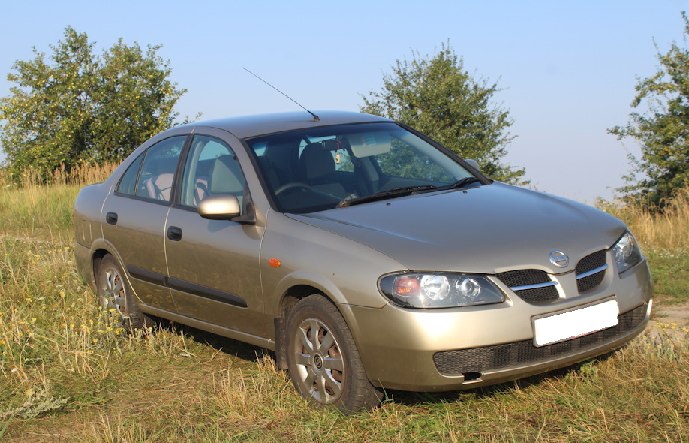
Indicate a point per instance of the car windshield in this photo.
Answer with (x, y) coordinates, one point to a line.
(336, 166)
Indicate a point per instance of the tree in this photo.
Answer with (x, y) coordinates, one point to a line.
(437, 97)
(84, 107)
(662, 131)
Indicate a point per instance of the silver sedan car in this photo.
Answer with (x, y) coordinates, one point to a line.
(366, 255)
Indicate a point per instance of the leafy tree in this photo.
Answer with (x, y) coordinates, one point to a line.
(81, 107)
(436, 96)
(662, 131)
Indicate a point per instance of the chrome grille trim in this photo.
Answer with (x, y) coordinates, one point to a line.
(592, 271)
(536, 286)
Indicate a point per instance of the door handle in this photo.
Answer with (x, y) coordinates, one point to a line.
(174, 233)
(111, 218)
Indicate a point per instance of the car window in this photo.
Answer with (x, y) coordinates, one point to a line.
(410, 162)
(314, 169)
(127, 184)
(158, 169)
(340, 155)
(211, 169)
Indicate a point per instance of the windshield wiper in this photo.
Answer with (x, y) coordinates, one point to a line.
(463, 182)
(383, 195)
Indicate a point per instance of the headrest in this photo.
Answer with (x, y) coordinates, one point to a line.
(316, 162)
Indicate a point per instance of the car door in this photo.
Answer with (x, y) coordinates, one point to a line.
(134, 219)
(214, 264)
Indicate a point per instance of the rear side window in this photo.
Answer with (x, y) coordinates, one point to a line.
(128, 182)
(158, 169)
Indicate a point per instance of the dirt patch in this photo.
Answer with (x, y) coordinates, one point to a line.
(669, 319)
(669, 314)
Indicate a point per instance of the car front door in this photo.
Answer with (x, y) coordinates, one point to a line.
(214, 264)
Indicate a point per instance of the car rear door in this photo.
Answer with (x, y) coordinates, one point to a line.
(134, 219)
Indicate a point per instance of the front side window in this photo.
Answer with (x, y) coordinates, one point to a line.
(211, 169)
(323, 168)
(158, 169)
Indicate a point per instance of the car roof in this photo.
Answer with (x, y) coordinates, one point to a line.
(255, 125)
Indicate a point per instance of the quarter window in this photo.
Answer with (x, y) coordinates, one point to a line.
(128, 182)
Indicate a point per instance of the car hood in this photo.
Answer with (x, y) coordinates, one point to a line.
(485, 229)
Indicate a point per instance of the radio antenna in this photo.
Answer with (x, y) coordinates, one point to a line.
(315, 117)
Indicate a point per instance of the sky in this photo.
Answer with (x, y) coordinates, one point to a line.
(567, 70)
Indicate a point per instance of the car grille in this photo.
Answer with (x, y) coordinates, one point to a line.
(477, 360)
(536, 287)
(531, 285)
(591, 270)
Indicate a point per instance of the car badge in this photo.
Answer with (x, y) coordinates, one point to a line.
(559, 258)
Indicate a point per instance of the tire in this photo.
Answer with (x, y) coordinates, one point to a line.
(114, 292)
(322, 358)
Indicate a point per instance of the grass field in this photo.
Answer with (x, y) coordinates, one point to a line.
(68, 373)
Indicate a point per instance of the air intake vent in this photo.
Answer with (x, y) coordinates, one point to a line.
(531, 285)
(591, 270)
(524, 352)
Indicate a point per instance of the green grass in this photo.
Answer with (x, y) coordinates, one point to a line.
(670, 271)
(69, 374)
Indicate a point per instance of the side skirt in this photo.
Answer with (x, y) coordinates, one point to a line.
(215, 329)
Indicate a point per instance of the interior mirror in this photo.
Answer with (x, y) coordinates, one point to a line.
(219, 207)
(473, 163)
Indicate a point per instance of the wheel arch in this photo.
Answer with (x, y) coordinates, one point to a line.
(97, 256)
(101, 248)
(289, 296)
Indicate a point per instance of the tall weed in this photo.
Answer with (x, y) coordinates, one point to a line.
(667, 230)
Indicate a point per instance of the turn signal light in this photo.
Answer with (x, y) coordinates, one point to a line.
(407, 286)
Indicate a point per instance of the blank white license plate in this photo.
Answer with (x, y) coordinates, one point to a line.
(576, 323)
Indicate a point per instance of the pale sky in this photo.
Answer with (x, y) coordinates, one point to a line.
(567, 69)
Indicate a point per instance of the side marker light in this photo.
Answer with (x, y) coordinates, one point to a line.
(274, 262)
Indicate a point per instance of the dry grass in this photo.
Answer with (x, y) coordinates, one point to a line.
(68, 373)
(81, 175)
(668, 230)
(665, 242)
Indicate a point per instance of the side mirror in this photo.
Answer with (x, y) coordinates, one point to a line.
(219, 207)
(473, 164)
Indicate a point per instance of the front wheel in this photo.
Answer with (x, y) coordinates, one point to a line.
(323, 360)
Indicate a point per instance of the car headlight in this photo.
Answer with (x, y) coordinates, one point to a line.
(627, 252)
(439, 290)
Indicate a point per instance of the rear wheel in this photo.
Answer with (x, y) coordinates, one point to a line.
(114, 293)
(323, 360)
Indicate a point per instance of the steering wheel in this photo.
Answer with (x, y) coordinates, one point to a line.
(292, 185)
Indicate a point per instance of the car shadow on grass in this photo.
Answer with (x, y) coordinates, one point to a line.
(229, 346)
(253, 354)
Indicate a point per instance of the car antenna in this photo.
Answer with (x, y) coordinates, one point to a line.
(315, 117)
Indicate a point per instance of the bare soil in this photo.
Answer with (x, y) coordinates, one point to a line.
(669, 314)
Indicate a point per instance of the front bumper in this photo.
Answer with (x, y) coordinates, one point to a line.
(462, 348)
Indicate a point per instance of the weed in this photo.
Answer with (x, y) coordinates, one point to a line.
(69, 371)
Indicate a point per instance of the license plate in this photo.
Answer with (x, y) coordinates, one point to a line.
(575, 323)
